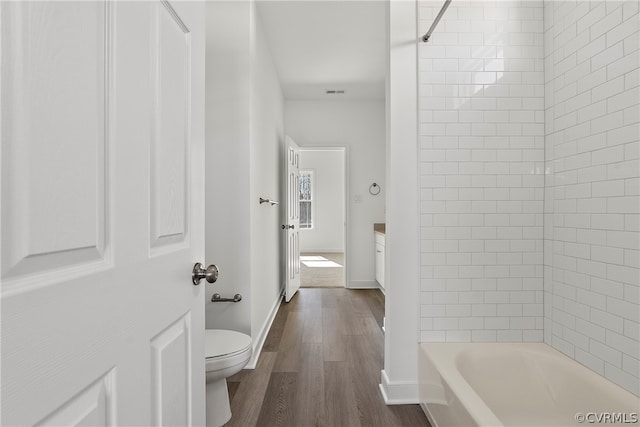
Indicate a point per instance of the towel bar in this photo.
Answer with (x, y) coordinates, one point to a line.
(218, 298)
(273, 202)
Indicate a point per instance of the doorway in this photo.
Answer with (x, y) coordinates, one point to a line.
(323, 217)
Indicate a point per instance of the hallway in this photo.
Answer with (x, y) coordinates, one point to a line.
(322, 270)
(320, 366)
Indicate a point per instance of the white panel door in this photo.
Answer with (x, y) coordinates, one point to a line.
(291, 224)
(102, 141)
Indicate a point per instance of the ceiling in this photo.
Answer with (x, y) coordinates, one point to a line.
(327, 45)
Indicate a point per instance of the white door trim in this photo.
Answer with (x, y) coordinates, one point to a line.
(346, 214)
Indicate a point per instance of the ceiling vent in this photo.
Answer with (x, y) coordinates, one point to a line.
(335, 92)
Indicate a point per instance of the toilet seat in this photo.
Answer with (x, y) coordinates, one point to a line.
(224, 343)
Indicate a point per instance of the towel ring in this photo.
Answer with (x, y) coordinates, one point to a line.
(374, 189)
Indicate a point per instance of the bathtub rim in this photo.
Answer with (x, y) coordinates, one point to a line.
(444, 357)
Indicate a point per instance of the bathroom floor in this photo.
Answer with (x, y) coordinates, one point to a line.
(320, 366)
(322, 270)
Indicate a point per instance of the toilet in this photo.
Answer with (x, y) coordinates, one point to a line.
(226, 353)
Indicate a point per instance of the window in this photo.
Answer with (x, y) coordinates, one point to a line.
(306, 200)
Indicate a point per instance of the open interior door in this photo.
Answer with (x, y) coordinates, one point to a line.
(291, 224)
(102, 167)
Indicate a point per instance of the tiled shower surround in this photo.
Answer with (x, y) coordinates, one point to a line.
(592, 239)
(481, 102)
(529, 145)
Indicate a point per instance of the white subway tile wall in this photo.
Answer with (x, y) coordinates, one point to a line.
(592, 203)
(530, 178)
(481, 109)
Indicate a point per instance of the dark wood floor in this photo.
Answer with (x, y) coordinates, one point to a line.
(320, 366)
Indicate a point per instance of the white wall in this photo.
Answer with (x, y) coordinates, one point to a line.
(399, 377)
(244, 133)
(227, 151)
(265, 169)
(328, 190)
(358, 126)
(592, 205)
(482, 172)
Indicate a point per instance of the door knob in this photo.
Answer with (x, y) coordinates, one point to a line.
(285, 226)
(210, 274)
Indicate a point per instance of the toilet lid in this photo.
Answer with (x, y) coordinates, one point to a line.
(220, 342)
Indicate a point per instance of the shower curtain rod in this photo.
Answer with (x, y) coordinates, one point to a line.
(425, 38)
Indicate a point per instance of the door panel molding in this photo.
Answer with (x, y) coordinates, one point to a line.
(95, 405)
(171, 73)
(58, 228)
(171, 374)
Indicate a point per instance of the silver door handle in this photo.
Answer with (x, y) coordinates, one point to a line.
(285, 226)
(210, 274)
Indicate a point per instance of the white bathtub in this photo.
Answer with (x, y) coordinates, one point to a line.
(516, 384)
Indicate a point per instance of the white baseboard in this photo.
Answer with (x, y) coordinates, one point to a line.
(259, 340)
(321, 251)
(398, 392)
(383, 290)
(363, 284)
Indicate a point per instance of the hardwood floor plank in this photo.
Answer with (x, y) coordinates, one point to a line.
(277, 409)
(359, 302)
(310, 398)
(340, 402)
(376, 304)
(288, 359)
(330, 297)
(309, 300)
(408, 415)
(366, 374)
(364, 356)
(312, 331)
(274, 336)
(246, 402)
(232, 387)
(360, 325)
(333, 340)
